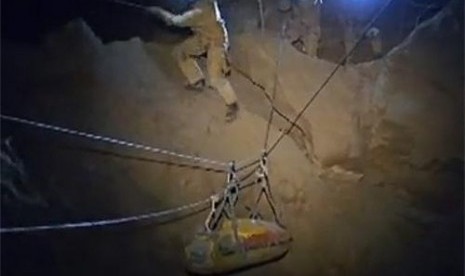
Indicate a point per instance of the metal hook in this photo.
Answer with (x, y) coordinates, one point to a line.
(232, 187)
(214, 201)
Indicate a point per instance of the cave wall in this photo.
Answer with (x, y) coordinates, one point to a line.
(406, 107)
(421, 94)
(331, 119)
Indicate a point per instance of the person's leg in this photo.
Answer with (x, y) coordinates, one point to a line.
(376, 45)
(185, 54)
(217, 80)
(349, 37)
(314, 30)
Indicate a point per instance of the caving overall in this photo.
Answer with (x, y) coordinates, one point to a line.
(303, 27)
(375, 40)
(210, 37)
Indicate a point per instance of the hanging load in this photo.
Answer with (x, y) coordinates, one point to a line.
(237, 243)
(217, 252)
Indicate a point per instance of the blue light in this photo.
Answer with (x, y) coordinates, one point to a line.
(360, 9)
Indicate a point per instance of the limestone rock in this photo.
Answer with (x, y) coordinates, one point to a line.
(332, 119)
(404, 108)
(422, 117)
(338, 173)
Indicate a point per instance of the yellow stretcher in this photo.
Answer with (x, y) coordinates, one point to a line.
(237, 243)
(218, 252)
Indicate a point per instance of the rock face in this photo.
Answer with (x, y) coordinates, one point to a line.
(406, 107)
(421, 96)
(331, 120)
(108, 64)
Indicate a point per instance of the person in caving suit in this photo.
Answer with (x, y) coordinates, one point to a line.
(374, 36)
(209, 37)
(303, 24)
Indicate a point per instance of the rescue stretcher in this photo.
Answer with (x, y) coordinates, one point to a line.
(237, 243)
(259, 242)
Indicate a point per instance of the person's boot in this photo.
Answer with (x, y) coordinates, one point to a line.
(197, 86)
(231, 112)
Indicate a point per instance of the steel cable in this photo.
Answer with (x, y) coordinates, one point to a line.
(112, 140)
(275, 84)
(123, 220)
(330, 76)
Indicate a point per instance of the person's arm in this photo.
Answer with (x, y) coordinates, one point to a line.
(175, 19)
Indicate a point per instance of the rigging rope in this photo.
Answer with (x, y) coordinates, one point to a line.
(129, 219)
(250, 162)
(112, 140)
(264, 181)
(100, 223)
(275, 83)
(330, 76)
(196, 159)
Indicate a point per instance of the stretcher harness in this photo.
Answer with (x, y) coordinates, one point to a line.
(228, 243)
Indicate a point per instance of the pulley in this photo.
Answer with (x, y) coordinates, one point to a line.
(264, 182)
